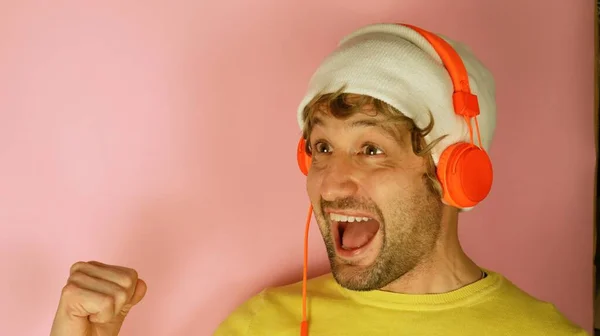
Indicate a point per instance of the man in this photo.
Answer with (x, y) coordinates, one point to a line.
(379, 120)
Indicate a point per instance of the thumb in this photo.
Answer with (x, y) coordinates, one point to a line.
(138, 295)
(140, 292)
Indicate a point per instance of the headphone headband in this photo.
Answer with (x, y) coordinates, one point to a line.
(465, 103)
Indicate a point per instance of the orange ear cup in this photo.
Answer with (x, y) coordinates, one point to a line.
(303, 158)
(465, 173)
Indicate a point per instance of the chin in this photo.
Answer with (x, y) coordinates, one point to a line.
(355, 278)
(382, 270)
(358, 277)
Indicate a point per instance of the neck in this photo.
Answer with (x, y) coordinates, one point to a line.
(445, 269)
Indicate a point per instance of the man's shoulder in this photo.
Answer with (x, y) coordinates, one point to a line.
(532, 312)
(511, 294)
(280, 301)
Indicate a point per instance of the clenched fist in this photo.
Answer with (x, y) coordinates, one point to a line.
(96, 299)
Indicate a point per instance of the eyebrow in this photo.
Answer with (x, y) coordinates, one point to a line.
(368, 123)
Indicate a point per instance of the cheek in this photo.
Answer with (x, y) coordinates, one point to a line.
(394, 187)
(313, 181)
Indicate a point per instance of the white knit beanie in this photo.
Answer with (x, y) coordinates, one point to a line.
(397, 65)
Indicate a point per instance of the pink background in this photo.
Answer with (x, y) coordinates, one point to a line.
(162, 135)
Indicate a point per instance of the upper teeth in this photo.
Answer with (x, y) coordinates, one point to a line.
(342, 218)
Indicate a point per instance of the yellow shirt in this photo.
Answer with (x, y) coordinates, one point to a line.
(492, 306)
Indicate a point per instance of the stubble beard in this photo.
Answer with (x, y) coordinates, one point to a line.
(409, 238)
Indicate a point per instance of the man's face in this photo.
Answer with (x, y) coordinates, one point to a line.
(375, 211)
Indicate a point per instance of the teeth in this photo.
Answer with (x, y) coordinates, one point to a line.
(342, 218)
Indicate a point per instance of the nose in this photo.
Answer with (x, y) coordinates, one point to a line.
(338, 179)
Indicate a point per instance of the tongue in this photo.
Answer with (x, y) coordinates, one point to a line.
(358, 234)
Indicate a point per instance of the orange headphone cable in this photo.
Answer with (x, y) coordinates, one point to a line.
(478, 134)
(304, 324)
(468, 121)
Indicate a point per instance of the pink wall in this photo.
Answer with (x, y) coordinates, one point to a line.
(162, 137)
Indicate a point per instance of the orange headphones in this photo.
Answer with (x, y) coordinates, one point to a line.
(464, 169)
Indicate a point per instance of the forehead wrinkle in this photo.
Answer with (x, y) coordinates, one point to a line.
(391, 127)
(387, 126)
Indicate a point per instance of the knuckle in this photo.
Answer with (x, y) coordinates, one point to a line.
(133, 276)
(77, 266)
(70, 289)
(129, 278)
(121, 296)
(126, 281)
(77, 276)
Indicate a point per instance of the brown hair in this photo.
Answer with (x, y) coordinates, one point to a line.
(343, 105)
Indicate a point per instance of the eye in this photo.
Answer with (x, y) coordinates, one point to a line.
(371, 150)
(322, 147)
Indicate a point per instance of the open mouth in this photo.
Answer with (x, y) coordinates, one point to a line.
(353, 234)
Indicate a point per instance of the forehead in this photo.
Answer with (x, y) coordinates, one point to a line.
(323, 119)
(352, 111)
(359, 123)
(343, 112)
